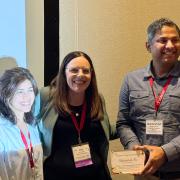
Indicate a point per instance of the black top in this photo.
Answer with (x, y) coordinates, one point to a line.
(60, 164)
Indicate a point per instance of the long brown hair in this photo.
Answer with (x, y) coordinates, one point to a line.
(59, 89)
(9, 81)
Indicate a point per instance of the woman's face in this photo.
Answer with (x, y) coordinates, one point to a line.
(23, 98)
(78, 74)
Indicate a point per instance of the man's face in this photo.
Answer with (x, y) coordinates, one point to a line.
(165, 46)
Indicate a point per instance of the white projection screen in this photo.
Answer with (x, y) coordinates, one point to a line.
(13, 30)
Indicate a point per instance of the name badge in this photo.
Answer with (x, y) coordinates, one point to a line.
(82, 155)
(154, 127)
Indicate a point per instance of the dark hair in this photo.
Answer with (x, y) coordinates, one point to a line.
(157, 25)
(9, 81)
(59, 89)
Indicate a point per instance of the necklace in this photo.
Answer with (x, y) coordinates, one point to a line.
(76, 110)
(76, 114)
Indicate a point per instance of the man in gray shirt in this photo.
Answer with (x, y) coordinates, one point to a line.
(149, 104)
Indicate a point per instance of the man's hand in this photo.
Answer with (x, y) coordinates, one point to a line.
(157, 158)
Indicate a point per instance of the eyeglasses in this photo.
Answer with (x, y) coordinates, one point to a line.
(75, 70)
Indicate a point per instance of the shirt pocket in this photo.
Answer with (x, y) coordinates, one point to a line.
(174, 102)
(140, 103)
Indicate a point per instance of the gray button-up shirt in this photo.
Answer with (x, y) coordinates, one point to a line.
(137, 105)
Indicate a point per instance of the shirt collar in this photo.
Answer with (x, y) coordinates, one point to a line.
(175, 72)
(148, 73)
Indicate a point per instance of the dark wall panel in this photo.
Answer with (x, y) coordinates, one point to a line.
(51, 40)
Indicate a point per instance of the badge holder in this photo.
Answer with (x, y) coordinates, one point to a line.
(81, 154)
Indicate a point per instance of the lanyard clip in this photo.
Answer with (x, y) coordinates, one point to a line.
(79, 139)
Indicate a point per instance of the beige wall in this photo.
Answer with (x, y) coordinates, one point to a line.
(113, 33)
(35, 38)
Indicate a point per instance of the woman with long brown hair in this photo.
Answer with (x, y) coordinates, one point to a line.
(75, 127)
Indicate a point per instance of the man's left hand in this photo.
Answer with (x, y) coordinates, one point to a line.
(157, 158)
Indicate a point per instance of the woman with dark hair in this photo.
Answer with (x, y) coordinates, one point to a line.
(75, 127)
(20, 147)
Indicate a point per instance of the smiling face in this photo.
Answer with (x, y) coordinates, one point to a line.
(165, 46)
(23, 98)
(78, 75)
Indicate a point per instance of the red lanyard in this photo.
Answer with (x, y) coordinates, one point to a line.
(83, 116)
(28, 150)
(158, 99)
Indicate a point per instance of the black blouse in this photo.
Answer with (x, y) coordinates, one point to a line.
(60, 164)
